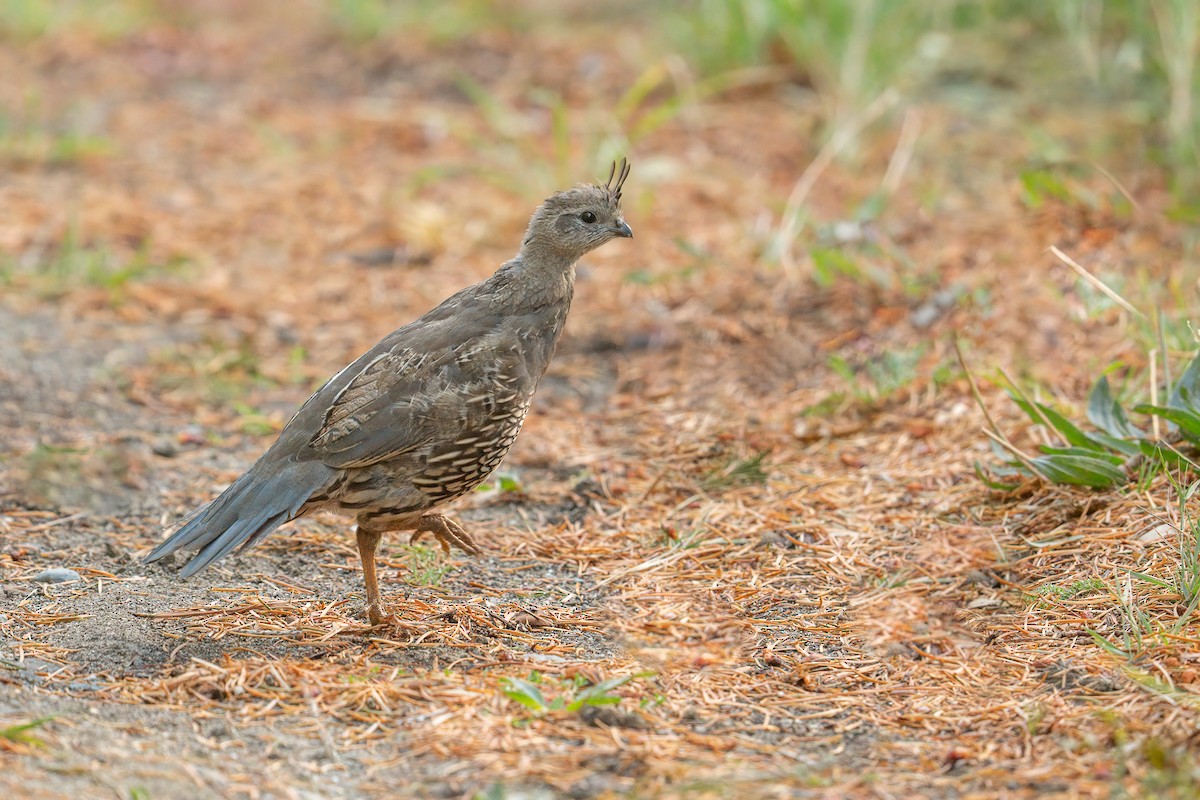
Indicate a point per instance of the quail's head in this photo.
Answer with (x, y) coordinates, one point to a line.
(577, 221)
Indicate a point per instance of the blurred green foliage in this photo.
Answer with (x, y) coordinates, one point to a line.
(29, 19)
(1144, 51)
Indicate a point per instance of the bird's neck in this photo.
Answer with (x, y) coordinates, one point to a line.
(542, 278)
(537, 293)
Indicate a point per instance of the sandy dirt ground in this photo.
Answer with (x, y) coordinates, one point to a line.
(745, 489)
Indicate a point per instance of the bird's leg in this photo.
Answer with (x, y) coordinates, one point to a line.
(367, 542)
(447, 532)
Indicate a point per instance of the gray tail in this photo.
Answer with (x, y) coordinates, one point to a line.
(244, 513)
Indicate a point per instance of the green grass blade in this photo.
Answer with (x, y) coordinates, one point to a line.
(1141, 576)
(1080, 471)
(598, 695)
(1082, 452)
(21, 731)
(1107, 646)
(1068, 430)
(1187, 421)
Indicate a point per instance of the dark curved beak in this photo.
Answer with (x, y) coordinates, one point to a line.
(623, 230)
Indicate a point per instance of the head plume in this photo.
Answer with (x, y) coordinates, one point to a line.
(620, 172)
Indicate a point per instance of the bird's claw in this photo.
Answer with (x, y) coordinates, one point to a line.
(447, 532)
(378, 619)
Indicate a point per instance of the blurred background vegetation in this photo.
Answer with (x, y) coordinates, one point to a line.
(1138, 55)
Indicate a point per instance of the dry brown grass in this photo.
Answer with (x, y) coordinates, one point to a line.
(822, 604)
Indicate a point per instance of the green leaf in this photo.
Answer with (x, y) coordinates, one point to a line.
(1167, 456)
(1186, 402)
(1079, 470)
(842, 367)
(989, 482)
(1039, 185)
(525, 693)
(597, 695)
(1107, 646)
(1187, 421)
(1125, 446)
(1068, 430)
(1187, 387)
(1004, 455)
(1082, 451)
(1106, 413)
(1141, 576)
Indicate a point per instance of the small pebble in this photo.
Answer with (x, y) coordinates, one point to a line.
(192, 435)
(83, 687)
(57, 575)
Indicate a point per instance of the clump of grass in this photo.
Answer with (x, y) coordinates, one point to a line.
(739, 472)
(520, 128)
(1187, 572)
(873, 380)
(1142, 628)
(1166, 770)
(1148, 50)
(573, 698)
(1082, 586)
(1177, 23)
(1116, 450)
(1047, 183)
(44, 147)
(254, 422)
(425, 566)
(1112, 454)
(75, 477)
(214, 369)
(76, 263)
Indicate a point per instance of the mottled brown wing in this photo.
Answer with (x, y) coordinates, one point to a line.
(352, 433)
(424, 385)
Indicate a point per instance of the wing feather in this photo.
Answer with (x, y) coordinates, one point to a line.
(420, 389)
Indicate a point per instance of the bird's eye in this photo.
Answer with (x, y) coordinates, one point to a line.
(588, 217)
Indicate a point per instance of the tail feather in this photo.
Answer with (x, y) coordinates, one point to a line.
(244, 514)
(197, 524)
(240, 533)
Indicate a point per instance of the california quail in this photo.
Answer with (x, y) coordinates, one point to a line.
(427, 414)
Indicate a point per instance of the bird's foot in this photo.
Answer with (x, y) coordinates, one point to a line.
(447, 532)
(376, 616)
